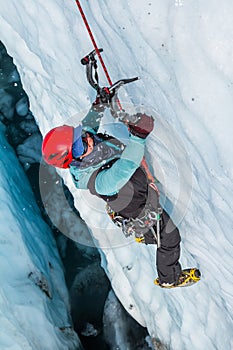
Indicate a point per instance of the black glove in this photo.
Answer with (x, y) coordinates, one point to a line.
(104, 95)
(103, 98)
(143, 125)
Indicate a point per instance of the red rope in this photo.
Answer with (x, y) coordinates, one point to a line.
(93, 41)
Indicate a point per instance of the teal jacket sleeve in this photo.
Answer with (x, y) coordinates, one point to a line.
(110, 181)
(92, 120)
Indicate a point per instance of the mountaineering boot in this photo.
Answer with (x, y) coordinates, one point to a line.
(187, 278)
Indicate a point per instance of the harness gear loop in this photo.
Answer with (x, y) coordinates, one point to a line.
(147, 221)
(139, 227)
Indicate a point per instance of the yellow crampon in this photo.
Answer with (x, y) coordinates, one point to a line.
(140, 239)
(187, 278)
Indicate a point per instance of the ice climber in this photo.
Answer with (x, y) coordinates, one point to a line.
(111, 169)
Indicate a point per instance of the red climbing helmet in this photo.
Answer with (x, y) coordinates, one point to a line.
(57, 146)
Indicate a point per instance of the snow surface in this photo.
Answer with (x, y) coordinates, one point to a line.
(182, 50)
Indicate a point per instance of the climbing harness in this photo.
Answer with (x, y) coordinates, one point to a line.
(140, 226)
(148, 221)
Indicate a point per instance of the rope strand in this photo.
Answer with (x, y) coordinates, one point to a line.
(93, 41)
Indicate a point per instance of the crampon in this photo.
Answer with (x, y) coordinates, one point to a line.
(187, 278)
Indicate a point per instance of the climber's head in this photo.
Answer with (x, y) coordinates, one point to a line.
(64, 143)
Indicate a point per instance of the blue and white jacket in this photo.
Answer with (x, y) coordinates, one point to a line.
(111, 163)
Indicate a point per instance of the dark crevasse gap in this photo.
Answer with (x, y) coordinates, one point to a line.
(86, 281)
(87, 296)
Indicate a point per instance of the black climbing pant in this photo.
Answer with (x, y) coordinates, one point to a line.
(168, 254)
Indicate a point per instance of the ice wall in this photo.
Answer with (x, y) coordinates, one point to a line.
(34, 306)
(181, 50)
